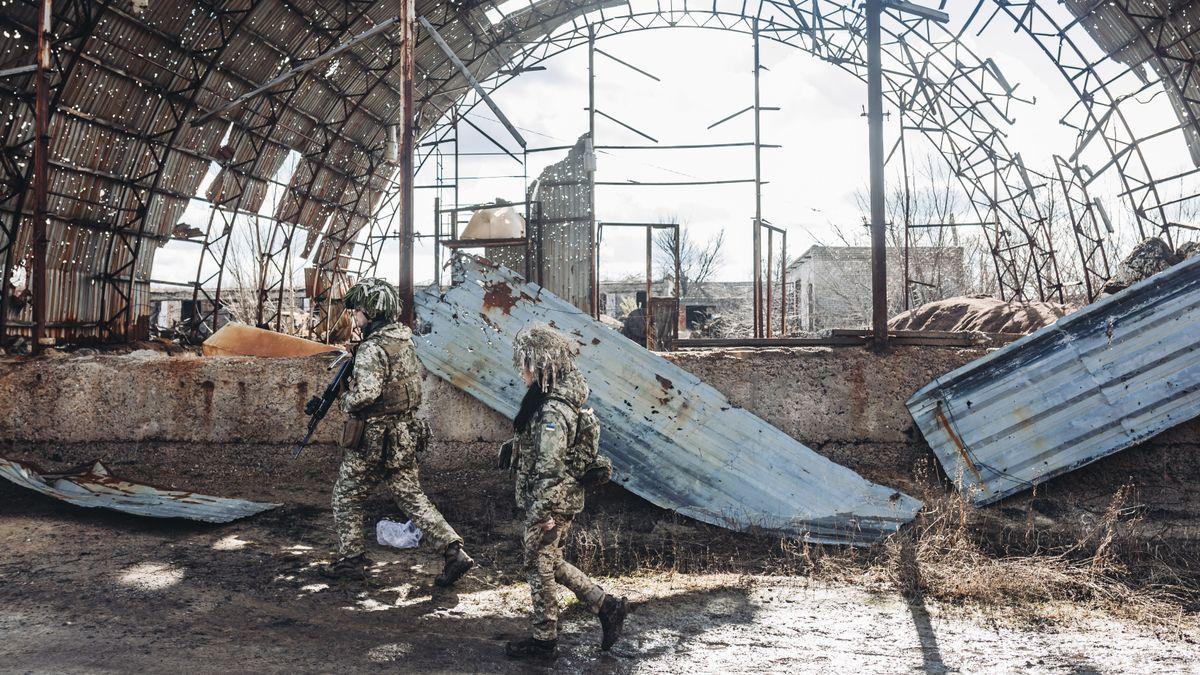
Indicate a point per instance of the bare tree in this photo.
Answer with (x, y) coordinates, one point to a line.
(697, 261)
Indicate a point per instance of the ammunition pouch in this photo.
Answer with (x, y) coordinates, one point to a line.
(353, 432)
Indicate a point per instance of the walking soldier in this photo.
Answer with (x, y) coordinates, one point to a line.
(384, 437)
(554, 456)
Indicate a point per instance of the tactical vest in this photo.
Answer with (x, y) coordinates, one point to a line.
(402, 389)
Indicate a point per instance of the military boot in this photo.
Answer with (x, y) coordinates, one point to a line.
(612, 619)
(457, 564)
(353, 568)
(531, 648)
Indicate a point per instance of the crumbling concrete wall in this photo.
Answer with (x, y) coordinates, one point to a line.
(225, 423)
(148, 397)
(819, 396)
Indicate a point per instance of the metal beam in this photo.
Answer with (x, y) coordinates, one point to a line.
(408, 41)
(41, 175)
(879, 316)
(462, 68)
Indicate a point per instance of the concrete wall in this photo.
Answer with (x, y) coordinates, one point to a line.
(150, 397)
(209, 423)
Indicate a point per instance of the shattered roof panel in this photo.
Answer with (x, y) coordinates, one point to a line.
(96, 487)
(1097, 381)
(673, 439)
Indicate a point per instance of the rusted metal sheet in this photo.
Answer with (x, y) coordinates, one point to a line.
(673, 439)
(1097, 381)
(96, 487)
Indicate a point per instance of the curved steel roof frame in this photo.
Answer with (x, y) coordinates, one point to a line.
(941, 87)
(128, 156)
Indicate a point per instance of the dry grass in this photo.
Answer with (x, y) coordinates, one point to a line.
(949, 553)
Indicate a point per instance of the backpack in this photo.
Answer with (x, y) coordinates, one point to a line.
(584, 461)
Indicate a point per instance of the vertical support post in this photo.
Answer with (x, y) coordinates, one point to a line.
(649, 287)
(758, 290)
(454, 224)
(407, 51)
(679, 318)
(770, 280)
(437, 242)
(907, 222)
(874, 9)
(592, 171)
(783, 288)
(41, 176)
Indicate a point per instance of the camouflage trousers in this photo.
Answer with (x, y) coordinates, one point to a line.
(388, 454)
(544, 566)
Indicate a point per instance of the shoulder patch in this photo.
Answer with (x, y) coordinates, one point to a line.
(550, 426)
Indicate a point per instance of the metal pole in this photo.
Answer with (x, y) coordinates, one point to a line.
(454, 225)
(770, 258)
(437, 242)
(679, 319)
(649, 289)
(407, 43)
(907, 219)
(40, 176)
(758, 323)
(783, 288)
(875, 125)
(592, 173)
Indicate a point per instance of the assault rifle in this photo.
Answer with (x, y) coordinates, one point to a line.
(318, 407)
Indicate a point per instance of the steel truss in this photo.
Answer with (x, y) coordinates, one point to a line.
(940, 88)
(344, 193)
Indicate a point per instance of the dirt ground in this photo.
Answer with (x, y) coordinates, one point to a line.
(86, 590)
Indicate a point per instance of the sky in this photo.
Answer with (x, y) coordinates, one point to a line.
(814, 182)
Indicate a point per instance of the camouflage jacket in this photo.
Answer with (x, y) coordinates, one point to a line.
(544, 485)
(386, 379)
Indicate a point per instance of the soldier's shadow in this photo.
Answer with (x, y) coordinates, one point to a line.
(435, 598)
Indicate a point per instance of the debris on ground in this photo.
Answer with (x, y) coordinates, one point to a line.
(673, 439)
(981, 313)
(1149, 257)
(94, 486)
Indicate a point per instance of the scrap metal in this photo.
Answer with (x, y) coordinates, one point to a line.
(1097, 381)
(96, 487)
(673, 439)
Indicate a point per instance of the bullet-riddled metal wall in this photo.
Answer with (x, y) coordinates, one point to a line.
(561, 221)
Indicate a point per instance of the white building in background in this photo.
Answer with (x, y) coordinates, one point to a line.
(832, 284)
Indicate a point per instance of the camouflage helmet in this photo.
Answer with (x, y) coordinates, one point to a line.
(545, 352)
(374, 297)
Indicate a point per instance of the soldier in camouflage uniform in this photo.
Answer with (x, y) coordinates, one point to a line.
(384, 392)
(548, 493)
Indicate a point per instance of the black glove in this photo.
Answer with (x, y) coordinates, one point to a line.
(596, 476)
(504, 459)
(312, 406)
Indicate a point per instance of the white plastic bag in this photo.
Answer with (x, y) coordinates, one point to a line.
(391, 533)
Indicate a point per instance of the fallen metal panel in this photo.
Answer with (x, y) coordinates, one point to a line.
(673, 439)
(1097, 381)
(96, 487)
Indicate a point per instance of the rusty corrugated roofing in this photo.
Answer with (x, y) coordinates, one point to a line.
(673, 439)
(1097, 381)
(96, 487)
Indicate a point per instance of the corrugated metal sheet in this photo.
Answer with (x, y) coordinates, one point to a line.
(96, 487)
(1100, 380)
(673, 439)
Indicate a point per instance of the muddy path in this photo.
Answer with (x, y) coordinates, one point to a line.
(95, 591)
